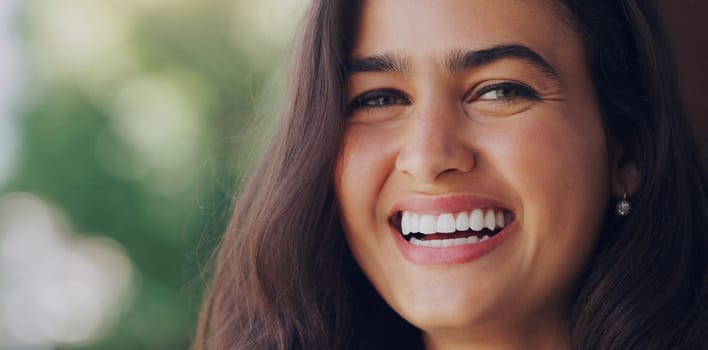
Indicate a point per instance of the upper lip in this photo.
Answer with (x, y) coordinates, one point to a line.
(424, 204)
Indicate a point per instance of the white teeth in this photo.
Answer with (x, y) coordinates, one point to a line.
(414, 224)
(446, 223)
(462, 223)
(420, 242)
(500, 219)
(428, 224)
(490, 220)
(445, 243)
(476, 220)
(405, 223)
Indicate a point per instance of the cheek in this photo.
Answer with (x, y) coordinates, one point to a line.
(363, 167)
(558, 166)
(556, 153)
(559, 159)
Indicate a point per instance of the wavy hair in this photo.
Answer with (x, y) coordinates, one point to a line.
(647, 285)
(285, 279)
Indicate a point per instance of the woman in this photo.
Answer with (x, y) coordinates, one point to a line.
(468, 174)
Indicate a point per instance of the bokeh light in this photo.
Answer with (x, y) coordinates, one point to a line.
(122, 126)
(158, 118)
(56, 286)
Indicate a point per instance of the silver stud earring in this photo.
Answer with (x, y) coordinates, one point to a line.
(623, 206)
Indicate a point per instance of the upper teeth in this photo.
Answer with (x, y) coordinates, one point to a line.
(475, 220)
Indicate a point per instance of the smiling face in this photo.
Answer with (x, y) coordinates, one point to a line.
(474, 174)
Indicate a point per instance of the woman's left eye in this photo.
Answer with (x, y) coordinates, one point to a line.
(505, 92)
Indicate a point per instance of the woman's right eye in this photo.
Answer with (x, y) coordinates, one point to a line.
(377, 99)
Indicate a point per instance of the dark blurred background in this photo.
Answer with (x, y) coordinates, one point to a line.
(687, 23)
(124, 128)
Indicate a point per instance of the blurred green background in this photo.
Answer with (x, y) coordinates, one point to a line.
(124, 128)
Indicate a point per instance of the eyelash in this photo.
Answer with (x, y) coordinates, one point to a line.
(519, 90)
(375, 99)
(369, 99)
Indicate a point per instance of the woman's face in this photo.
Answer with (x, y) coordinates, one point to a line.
(474, 173)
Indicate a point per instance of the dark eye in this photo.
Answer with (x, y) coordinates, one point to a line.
(377, 99)
(505, 92)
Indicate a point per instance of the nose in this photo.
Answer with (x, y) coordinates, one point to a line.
(434, 144)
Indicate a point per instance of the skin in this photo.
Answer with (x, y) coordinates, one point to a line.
(433, 135)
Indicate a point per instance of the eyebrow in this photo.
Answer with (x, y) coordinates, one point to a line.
(380, 63)
(455, 62)
(460, 61)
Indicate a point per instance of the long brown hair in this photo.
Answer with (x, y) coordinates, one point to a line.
(285, 279)
(278, 282)
(647, 285)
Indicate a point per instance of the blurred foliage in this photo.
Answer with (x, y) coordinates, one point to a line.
(132, 122)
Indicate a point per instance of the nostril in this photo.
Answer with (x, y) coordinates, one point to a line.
(427, 163)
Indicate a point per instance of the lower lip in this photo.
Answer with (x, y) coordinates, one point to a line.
(450, 255)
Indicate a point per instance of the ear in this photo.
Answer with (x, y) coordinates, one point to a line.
(626, 177)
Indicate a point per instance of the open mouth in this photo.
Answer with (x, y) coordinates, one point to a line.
(451, 229)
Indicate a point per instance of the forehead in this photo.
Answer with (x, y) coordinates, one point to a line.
(429, 30)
